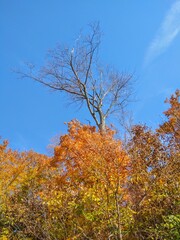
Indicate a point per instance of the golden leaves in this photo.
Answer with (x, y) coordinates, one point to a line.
(92, 188)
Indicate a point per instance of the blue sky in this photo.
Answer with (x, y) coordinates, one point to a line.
(139, 36)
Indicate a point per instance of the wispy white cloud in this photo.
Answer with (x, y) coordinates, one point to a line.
(168, 31)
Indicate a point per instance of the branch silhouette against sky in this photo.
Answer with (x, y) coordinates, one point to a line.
(140, 37)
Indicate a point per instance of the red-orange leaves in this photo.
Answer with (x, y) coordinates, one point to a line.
(84, 153)
(90, 182)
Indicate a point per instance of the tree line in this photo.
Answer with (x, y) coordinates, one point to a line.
(94, 187)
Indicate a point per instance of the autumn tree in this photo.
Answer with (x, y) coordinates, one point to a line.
(87, 197)
(22, 178)
(145, 185)
(169, 133)
(172, 125)
(77, 72)
(154, 178)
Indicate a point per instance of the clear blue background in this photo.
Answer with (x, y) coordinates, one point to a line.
(31, 115)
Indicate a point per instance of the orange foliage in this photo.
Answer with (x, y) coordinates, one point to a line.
(91, 175)
(92, 188)
(172, 125)
(84, 153)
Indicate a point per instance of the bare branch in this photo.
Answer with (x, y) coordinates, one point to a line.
(76, 72)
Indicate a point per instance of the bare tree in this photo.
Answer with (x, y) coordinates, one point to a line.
(77, 72)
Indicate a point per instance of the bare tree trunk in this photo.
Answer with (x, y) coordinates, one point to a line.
(102, 124)
(118, 212)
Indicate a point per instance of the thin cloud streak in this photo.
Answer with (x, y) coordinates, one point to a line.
(168, 31)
